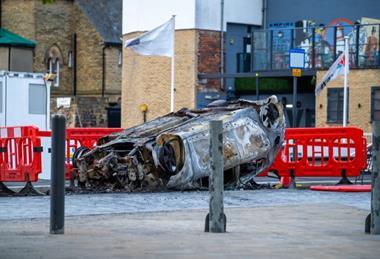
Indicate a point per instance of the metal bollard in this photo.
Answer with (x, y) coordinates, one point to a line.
(216, 219)
(57, 188)
(375, 194)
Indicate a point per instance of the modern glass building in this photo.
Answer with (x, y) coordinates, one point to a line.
(257, 58)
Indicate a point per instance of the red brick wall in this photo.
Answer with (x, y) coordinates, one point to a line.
(209, 56)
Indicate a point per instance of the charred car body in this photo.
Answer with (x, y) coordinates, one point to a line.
(172, 152)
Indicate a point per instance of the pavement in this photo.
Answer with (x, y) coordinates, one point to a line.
(260, 224)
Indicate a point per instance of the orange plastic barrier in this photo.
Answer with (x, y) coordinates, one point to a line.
(321, 152)
(20, 154)
(342, 188)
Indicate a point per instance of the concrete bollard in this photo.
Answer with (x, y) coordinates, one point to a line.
(57, 188)
(216, 219)
(375, 194)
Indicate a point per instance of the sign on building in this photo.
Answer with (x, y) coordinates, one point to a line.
(297, 58)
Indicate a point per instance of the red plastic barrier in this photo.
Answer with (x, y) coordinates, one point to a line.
(307, 152)
(20, 150)
(85, 137)
(321, 152)
(20, 154)
(80, 137)
(342, 188)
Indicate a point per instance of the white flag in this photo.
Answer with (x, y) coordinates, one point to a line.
(157, 42)
(334, 71)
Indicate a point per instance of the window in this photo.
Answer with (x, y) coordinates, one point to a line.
(70, 59)
(37, 99)
(375, 103)
(57, 72)
(120, 58)
(335, 105)
(54, 68)
(54, 61)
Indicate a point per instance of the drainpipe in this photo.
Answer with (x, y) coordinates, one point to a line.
(264, 10)
(1, 13)
(74, 62)
(222, 43)
(103, 70)
(9, 57)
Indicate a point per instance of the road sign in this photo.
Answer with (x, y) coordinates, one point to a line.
(297, 58)
(297, 72)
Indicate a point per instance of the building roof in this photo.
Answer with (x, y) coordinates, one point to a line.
(8, 38)
(106, 16)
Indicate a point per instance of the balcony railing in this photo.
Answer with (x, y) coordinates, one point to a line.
(322, 46)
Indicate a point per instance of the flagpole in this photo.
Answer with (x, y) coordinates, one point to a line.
(172, 71)
(346, 64)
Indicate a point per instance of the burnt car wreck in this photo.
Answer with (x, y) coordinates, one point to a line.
(172, 152)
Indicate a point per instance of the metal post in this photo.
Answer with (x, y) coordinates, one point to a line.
(222, 42)
(57, 189)
(357, 42)
(172, 77)
(378, 36)
(346, 65)
(252, 52)
(216, 220)
(375, 195)
(313, 48)
(257, 86)
(294, 101)
(74, 62)
(292, 43)
(335, 31)
(144, 115)
(271, 50)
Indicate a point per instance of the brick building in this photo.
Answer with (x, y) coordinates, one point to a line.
(257, 37)
(146, 79)
(79, 40)
(363, 100)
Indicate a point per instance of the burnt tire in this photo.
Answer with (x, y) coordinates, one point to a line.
(78, 154)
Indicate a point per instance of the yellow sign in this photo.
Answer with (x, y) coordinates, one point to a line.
(297, 72)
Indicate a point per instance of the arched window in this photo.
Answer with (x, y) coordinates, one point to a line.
(54, 61)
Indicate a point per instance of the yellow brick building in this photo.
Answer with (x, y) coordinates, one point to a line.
(361, 83)
(146, 80)
(198, 50)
